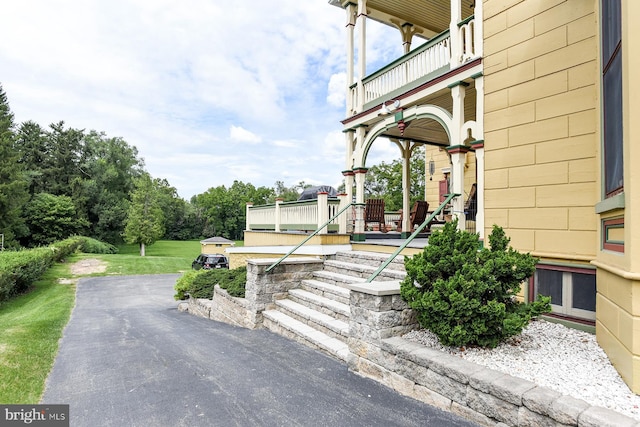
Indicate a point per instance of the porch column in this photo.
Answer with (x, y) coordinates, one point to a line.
(362, 49)
(323, 211)
(358, 232)
(454, 33)
(458, 156)
(346, 215)
(457, 149)
(478, 35)
(278, 203)
(405, 149)
(351, 23)
(478, 145)
(349, 213)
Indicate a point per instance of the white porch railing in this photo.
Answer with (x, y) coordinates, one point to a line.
(305, 216)
(437, 55)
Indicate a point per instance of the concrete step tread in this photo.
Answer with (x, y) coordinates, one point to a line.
(327, 287)
(366, 269)
(320, 339)
(315, 316)
(370, 256)
(338, 277)
(321, 301)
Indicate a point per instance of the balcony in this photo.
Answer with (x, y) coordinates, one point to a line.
(434, 58)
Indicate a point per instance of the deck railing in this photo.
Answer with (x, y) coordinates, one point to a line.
(305, 216)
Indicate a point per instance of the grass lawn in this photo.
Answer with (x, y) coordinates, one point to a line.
(32, 323)
(31, 326)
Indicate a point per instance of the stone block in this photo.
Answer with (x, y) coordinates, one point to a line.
(430, 397)
(596, 416)
(454, 367)
(566, 409)
(528, 418)
(482, 379)
(492, 406)
(417, 374)
(424, 356)
(539, 399)
(471, 415)
(510, 389)
(445, 386)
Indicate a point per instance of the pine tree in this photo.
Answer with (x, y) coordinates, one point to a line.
(13, 183)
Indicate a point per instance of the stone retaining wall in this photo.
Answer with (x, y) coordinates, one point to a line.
(379, 318)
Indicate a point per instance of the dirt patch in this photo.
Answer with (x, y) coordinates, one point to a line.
(88, 266)
(84, 267)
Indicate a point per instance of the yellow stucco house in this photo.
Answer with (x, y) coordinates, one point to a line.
(526, 107)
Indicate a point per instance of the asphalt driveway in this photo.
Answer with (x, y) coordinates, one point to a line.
(129, 358)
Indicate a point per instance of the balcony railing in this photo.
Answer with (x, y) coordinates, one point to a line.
(422, 64)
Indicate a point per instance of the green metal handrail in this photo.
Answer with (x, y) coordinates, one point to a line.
(413, 236)
(272, 266)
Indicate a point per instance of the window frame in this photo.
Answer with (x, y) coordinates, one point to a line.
(566, 310)
(612, 142)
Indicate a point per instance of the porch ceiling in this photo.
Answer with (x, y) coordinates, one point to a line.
(428, 130)
(429, 17)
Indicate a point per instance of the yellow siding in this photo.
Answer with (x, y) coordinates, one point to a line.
(540, 181)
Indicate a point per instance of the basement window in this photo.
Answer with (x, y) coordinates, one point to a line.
(572, 290)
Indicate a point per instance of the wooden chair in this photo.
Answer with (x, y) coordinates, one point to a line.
(374, 212)
(418, 214)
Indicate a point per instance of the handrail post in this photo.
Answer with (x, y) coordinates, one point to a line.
(410, 238)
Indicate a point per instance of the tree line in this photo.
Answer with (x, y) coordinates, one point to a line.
(58, 181)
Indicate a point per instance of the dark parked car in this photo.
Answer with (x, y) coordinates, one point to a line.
(208, 261)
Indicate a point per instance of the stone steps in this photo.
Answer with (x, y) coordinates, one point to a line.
(317, 312)
(291, 328)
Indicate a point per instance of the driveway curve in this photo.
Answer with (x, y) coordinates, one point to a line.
(129, 358)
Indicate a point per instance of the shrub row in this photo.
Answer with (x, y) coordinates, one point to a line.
(200, 284)
(20, 269)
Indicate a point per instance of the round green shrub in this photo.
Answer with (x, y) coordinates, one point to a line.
(201, 283)
(465, 295)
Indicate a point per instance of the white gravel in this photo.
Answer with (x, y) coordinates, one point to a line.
(552, 355)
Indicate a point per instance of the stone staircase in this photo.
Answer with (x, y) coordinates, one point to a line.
(317, 313)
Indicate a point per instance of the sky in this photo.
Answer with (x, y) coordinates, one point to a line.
(208, 91)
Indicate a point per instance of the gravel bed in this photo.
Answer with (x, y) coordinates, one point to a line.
(551, 355)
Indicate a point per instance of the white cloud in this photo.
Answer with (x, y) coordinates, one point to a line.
(237, 133)
(181, 80)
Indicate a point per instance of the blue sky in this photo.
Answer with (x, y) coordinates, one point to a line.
(208, 91)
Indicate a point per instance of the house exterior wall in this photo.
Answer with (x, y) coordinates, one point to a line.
(543, 155)
(540, 125)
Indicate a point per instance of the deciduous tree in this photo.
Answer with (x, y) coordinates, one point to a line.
(145, 221)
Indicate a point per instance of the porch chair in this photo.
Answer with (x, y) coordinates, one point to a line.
(418, 214)
(374, 212)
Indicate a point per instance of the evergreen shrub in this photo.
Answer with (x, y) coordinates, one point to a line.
(467, 296)
(93, 246)
(200, 284)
